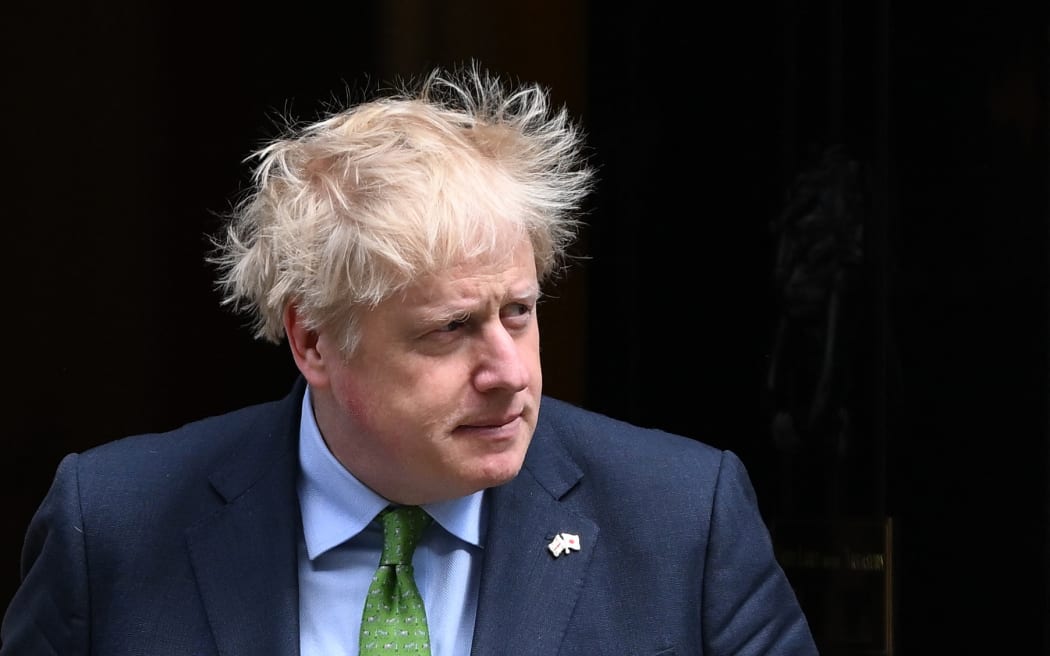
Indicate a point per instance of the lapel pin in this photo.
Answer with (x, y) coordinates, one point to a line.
(564, 543)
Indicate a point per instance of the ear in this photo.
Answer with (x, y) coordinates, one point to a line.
(303, 343)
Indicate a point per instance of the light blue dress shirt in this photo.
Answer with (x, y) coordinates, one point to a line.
(340, 548)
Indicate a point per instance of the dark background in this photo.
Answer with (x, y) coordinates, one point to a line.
(126, 126)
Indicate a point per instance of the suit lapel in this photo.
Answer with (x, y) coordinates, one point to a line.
(527, 594)
(245, 555)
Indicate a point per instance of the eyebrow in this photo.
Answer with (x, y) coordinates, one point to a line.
(451, 311)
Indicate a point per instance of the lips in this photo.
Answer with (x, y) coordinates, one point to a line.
(494, 422)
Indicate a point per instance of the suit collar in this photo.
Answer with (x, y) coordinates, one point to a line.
(245, 555)
(525, 514)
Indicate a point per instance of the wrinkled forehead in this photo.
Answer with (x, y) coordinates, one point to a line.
(509, 270)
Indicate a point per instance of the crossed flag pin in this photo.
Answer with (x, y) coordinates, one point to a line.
(564, 543)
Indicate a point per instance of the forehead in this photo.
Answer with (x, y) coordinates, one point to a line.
(511, 273)
(466, 286)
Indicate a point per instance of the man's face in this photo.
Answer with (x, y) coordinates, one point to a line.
(441, 396)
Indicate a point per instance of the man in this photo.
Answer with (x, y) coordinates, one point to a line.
(399, 246)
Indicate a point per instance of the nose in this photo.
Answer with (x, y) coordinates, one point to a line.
(502, 362)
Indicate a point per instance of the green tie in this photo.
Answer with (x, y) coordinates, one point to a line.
(394, 621)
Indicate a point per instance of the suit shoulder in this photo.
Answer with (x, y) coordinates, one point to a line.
(200, 441)
(590, 429)
(642, 465)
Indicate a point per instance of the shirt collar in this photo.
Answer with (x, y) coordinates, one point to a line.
(336, 506)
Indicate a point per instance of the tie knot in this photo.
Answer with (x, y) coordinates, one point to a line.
(402, 528)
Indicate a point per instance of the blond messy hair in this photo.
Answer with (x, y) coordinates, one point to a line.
(347, 211)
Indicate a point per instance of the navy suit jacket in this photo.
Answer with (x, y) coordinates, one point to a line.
(186, 543)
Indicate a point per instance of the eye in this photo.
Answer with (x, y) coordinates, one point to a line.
(454, 325)
(517, 312)
(517, 309)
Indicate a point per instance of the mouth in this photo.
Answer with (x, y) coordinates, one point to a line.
(503, 425)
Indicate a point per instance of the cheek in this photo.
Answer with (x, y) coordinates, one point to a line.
(395, 398)
(438, 393)
(355, 400)
(365, 389)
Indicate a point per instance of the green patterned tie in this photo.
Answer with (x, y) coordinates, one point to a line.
(394, 621)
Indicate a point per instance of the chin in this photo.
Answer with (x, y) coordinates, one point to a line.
(499, 471)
